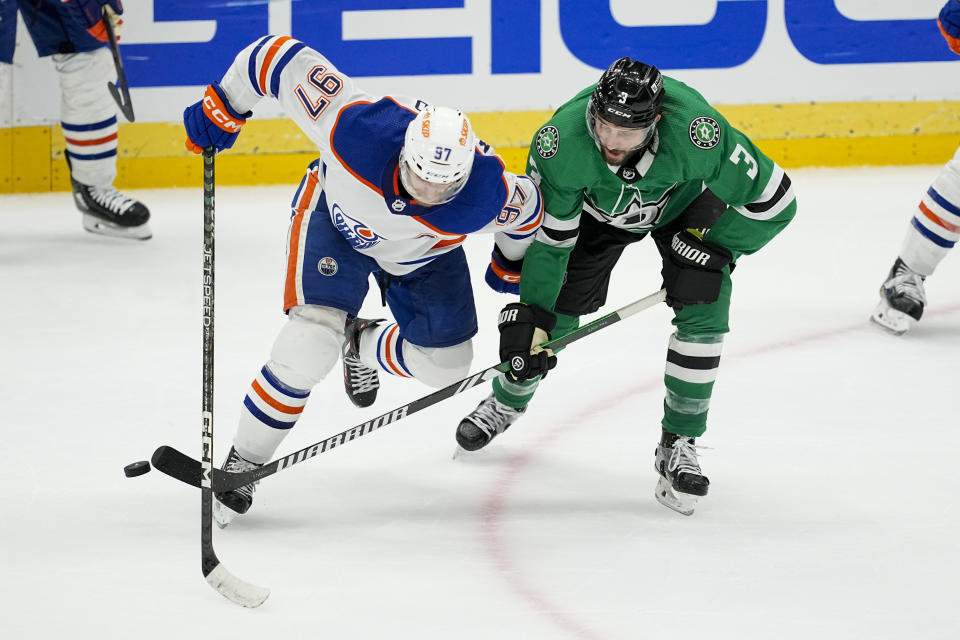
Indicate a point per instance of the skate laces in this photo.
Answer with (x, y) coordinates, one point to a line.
(236, 464)
(362, 377)
(684, 457)
(906, 283)
(111, 199)
(492, 417)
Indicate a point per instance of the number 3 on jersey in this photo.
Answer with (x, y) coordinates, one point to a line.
(327, 83)
(748, 159)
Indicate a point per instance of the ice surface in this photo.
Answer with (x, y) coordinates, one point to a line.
(833, 506)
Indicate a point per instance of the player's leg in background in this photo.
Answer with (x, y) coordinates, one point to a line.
(88, 119)
(933, 231)
(326, 282)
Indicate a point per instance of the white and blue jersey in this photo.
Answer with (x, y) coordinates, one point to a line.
(354, 190)
(360, 136)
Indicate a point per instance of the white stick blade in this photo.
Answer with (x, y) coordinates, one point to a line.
(236, 590)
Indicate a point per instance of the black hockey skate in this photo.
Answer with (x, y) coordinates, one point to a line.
(108, 212)
(902, 299)
(681, 481)
(359, 381)
(230, 504)
(489, 419)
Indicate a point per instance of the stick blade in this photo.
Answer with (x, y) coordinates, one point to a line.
(123, 101)
(176, 465)
(236, 590)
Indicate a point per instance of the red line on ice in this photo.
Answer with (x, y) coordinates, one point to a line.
(494, 507)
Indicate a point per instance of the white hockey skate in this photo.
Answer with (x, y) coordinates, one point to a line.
(902, 300)
(681, 482)
(227, 505)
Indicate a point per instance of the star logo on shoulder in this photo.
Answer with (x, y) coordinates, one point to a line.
(548, 141)
(705, 132)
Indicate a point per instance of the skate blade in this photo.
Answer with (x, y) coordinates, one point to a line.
(101, 227)
(462, 454)
(683, 503)
(888, 318)
(222, 515)
(486, 453)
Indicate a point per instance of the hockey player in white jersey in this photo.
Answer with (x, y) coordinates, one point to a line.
(72, 34)
(398, 188)
(933, 231)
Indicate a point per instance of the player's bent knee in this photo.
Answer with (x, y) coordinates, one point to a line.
(308, 345)
(439, 366)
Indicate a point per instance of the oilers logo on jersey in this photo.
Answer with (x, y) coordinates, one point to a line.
(328, 266)
(357, 234)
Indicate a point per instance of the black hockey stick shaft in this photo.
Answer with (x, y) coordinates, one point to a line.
(209, 557)
(228, 585)
(186, 469)
(122, 95)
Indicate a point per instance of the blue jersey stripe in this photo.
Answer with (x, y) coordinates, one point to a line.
(92, 156)
(400, 356)
(278, 68)
(943, 202)
(252, 64)
(290, 391)
(112, 120)
(931, 236)
(313, 166)
(419, 260)
(380, 347)
(264, 418)
(296, 196)
(536, 210)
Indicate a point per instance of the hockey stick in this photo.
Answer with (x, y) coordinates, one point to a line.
(121, 96)
(186, 469)
(230, 586)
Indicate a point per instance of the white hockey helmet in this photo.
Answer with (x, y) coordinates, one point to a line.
(437, 155)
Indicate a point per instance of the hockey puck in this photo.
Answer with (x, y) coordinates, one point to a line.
(135, 469)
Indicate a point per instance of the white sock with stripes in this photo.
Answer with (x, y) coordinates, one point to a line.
(88, 115)
(935, 227)
(381, 347)
(270, 409)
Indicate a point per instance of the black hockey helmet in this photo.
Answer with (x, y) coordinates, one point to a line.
(629, 94)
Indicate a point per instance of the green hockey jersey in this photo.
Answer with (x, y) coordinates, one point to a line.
(694, 147)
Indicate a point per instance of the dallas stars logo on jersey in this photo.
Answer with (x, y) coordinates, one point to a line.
(548, 141)
(705, 132)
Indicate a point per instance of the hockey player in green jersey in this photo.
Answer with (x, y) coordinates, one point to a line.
(638, 154)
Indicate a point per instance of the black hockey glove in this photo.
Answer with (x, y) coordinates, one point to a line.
(693, 270)
(523, 328)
